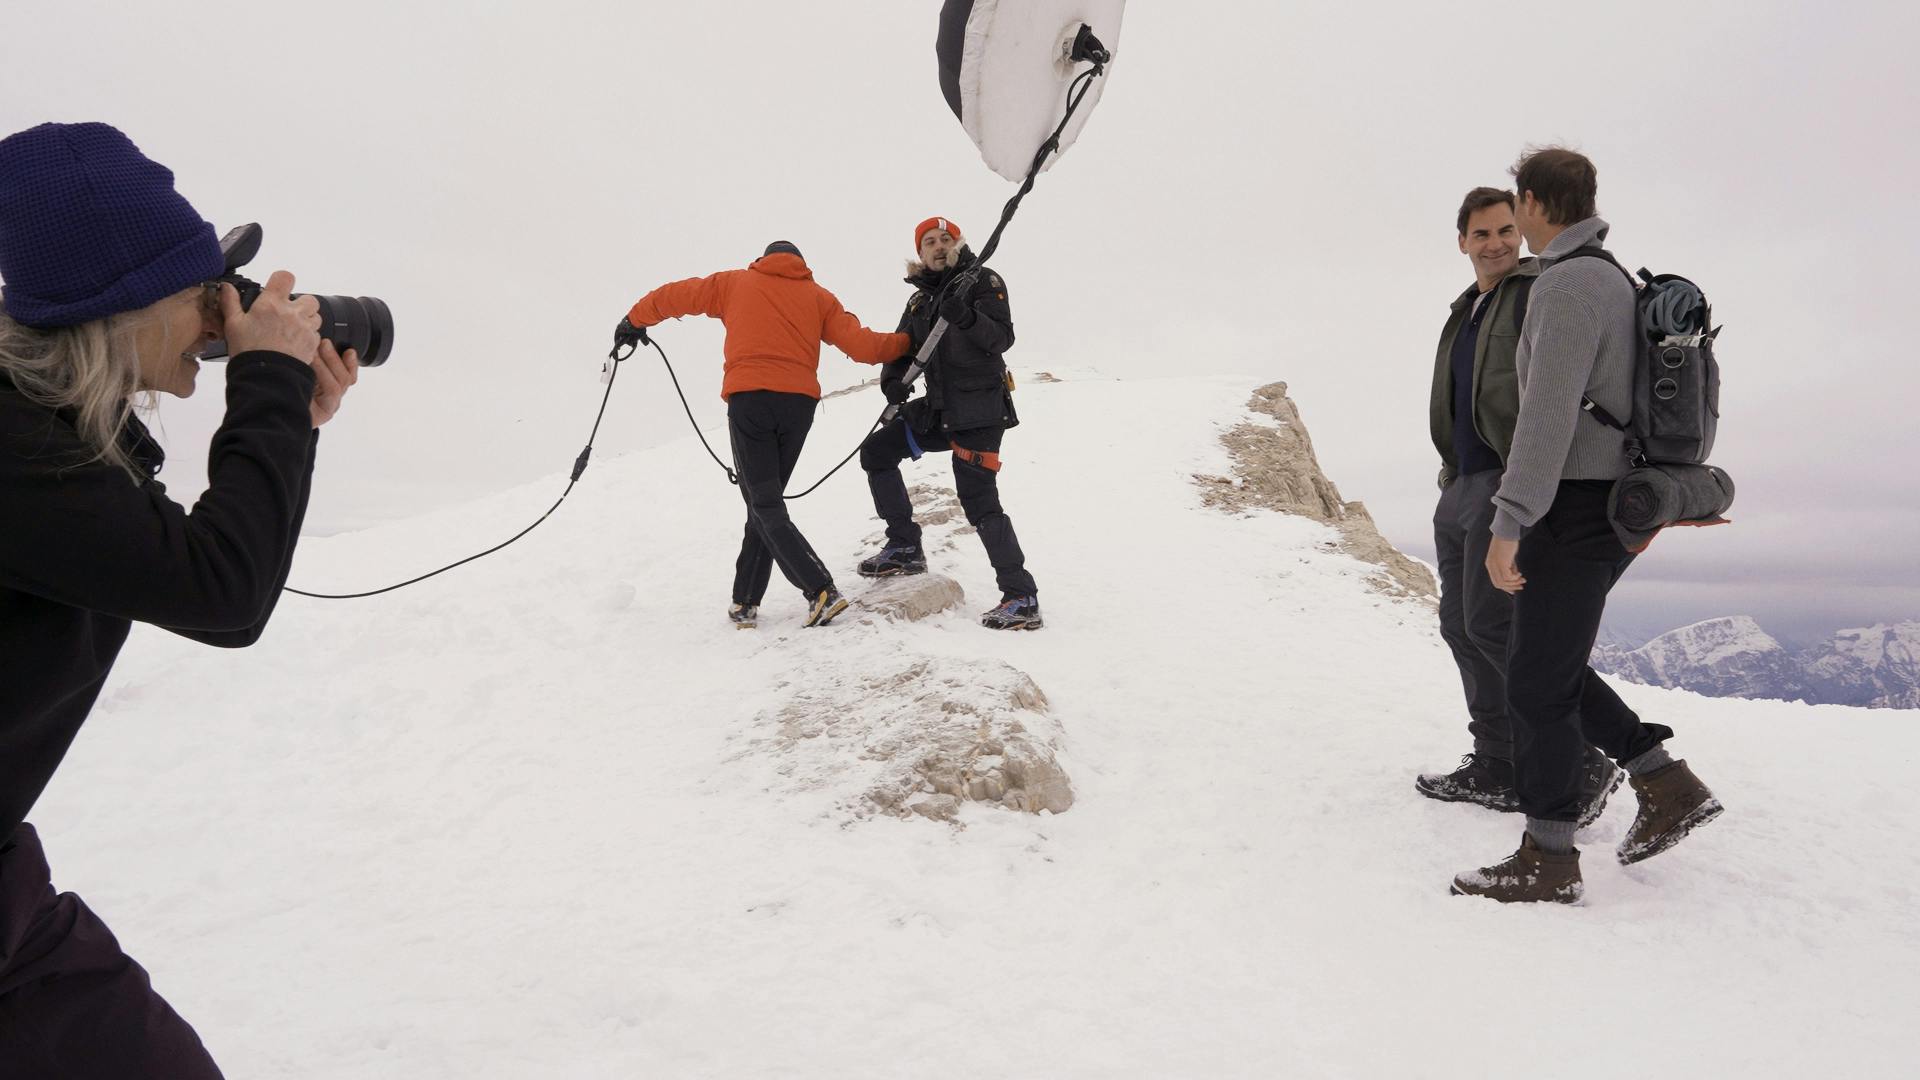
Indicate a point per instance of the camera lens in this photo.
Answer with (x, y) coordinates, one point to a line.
(363, 324)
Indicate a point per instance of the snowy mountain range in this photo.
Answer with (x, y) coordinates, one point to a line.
(1877, 667)
(551, 815)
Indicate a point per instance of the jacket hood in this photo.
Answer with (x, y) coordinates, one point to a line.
(1528, 267)
(918, 275)
(781, 264)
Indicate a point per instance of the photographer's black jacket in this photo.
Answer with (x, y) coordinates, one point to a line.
(967, 377)
(84, 550)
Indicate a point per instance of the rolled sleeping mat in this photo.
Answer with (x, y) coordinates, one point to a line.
(1006, 66)
(1649, 499)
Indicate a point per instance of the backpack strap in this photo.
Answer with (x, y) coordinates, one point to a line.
(1601, 414)
(1635, 454)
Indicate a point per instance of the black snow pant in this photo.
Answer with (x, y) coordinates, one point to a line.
(72, 1005)
(1474, 616)
(1571, 560)
(976, 468)
(768, 429)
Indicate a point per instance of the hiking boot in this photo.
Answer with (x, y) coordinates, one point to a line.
(744, 616)
(825, 605)
(895, 560)
(1014, 613)
(1527, 876)
(1599, 778)
(1481, 778)
(1673, 802)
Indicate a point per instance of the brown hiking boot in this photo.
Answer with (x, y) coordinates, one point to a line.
(1673, 802)
(1527, 876)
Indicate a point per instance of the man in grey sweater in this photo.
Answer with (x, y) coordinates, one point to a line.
(1555, 552)
(1476, 398)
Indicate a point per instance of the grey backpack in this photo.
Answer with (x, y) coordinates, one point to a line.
(1676, 413)
(1676, 385)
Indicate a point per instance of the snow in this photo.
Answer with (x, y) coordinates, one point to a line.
(531, 819)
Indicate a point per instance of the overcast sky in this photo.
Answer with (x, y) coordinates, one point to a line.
(1265, 189)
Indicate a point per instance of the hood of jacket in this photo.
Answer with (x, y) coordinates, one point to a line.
(781, 264)
(922, 278)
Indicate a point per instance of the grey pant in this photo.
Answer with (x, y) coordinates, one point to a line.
(1475, 616)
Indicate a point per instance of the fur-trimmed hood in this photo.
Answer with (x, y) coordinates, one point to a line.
(917, 272)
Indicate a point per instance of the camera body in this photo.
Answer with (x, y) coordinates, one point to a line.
(361, 323)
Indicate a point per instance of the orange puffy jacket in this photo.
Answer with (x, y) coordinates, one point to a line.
(776, 318)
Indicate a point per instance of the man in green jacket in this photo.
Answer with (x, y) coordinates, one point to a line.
(1476, 399)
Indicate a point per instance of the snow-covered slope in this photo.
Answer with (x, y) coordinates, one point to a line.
(549, 815)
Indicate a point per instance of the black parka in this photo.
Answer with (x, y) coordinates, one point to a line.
(85, 550)
(966, 379)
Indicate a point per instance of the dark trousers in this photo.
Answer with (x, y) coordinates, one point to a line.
(1571, 560)
(1474, 616)
(769, 429)
(72, 1005)
(975, 478)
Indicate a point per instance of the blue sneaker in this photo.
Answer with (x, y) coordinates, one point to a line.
(1014, 613)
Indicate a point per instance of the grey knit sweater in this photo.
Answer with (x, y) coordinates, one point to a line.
(1581, 337)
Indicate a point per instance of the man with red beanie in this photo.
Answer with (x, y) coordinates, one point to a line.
(776, 317)
(967, 409)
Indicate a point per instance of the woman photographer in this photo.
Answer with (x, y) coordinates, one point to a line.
(106, 283)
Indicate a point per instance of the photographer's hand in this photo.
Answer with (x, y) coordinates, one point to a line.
(275, 322)
(334, 375)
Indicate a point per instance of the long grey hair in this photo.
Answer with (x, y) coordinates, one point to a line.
(91, 370)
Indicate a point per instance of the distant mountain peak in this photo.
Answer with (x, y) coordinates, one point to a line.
(1732, 656)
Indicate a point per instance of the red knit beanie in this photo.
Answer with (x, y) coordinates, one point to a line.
(920, 231)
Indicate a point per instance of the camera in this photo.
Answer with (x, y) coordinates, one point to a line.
(361, 323)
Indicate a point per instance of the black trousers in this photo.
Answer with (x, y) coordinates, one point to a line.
(1474, 616)
(769, 429)
(72, 1005)
(1571, 560)
(975, 478)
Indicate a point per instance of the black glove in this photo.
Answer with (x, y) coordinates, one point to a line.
(957, 308)
(628, 334)
(896, 390)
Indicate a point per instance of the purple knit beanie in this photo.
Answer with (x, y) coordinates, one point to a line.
(89, 227)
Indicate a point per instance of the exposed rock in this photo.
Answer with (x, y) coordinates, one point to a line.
(1275, 469)
(905, 734)
(910, 599)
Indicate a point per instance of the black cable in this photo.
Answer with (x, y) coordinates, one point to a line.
(732, 477)
(579, 467)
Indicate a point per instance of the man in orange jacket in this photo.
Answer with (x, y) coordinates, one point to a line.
(776, 317)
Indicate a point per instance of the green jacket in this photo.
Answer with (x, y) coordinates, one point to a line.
(1496, 387)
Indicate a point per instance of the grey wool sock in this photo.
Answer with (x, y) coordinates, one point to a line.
(1652, 761)
(1553, 836)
